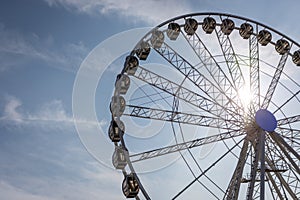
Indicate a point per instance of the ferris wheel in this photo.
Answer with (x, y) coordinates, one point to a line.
(210, 80)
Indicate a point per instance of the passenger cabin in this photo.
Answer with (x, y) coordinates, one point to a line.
(296, 57)
(209, 25)
(246, 30)
(117, 105)
(131, 64)
(130, 186)
(227, 26)
(190, 26)
(157, 39)
(173, 31)
(282, 46)
(118, 158)
(264, 37)
(143, 50)
(122, 83)
(116, 130)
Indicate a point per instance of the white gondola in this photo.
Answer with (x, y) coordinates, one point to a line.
(190, 26)
(264, 37)
(122, 83)
(157, 38)
(296, 57)
(246, 30)
(130, 186)
(282, 46)
(117, 106)
(173, 31)
(209, 25)
(131, 64)
(227, 26)
(116, 130)
(118, 158)
(143, 50)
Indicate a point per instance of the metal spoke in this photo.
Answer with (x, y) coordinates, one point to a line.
(274, 81)
(288, 120)
(179, 117)
(262, 164)
(254, 167)
(185, 145)
(235, 182)
(254, 71)
(292, 136)
(285, 147)
(287, 101)
(183, 93)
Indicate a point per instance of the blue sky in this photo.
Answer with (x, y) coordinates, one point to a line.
(42, 45)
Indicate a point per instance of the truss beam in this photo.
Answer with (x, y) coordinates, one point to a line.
(254, 72)
(185, 145)
(235, 182)
(179, 117)
(274, 81)
(288, 120)
(231, 59)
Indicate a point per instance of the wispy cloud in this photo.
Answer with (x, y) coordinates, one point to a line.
(10, 110)
(17, 49)
(49, 112)
(151, 11)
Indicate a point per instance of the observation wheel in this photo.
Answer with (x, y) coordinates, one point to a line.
(214, 101)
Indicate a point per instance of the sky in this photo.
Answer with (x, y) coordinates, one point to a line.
(43, 43)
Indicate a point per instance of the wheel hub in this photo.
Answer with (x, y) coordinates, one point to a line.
(265, 120)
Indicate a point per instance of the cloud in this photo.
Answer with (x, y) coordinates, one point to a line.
(11, 110)
(151, 11)
(49, 112)
(17, 49)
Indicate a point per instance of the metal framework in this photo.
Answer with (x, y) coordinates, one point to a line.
(254, 72)
(183, 93)
(231, 59)
(179, 117)
(214, 71)
(186, 145)
(274, 81)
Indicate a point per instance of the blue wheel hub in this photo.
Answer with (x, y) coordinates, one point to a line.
(265, 120)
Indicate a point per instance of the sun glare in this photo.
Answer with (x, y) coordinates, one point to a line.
(245, 96)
